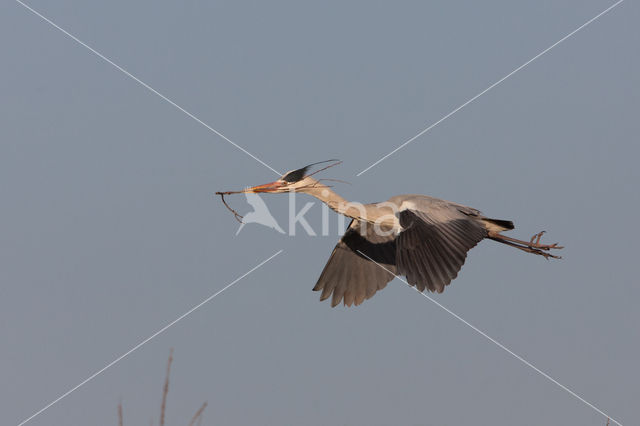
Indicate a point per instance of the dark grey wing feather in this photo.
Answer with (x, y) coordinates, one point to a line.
(352, 277)
(432, 249)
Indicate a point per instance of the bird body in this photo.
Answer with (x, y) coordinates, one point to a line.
(423, 238)
(426, 239)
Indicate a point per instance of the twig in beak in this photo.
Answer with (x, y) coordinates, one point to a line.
(237, 215)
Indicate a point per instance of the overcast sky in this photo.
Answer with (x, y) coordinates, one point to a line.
(110, 229)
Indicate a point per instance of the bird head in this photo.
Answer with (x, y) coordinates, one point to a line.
(293, 181)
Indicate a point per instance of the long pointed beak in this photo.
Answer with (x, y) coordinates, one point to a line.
(267, 187)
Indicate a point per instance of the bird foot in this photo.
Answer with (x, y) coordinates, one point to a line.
(541, 252)
(534, 243)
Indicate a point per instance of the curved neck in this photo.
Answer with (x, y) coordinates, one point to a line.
(336, 202)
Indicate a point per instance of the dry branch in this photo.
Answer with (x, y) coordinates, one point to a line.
(165, 390)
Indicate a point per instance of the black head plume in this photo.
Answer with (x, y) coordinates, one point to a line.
(299, 174)
(295, 175)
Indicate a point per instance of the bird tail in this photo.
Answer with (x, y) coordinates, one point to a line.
(498, 224)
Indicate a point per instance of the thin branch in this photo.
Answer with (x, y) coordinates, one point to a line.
(237, 215)
(198, 415)
(165, 390)
(120, 419)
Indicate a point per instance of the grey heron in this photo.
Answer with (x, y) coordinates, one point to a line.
(423, 238)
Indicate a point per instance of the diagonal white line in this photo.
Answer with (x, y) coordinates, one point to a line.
(136, 347)
(143, 84)
(492, 86)
(500, 345)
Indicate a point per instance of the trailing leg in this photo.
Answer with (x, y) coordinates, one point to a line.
(532, 246)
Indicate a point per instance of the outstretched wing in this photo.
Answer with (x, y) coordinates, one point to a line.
(352, 277)
(433, 245)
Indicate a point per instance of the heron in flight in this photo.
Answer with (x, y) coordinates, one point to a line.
(423, 238)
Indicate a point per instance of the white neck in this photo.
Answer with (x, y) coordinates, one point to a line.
(339, 204)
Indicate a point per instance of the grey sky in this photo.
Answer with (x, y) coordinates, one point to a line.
(110, 229)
